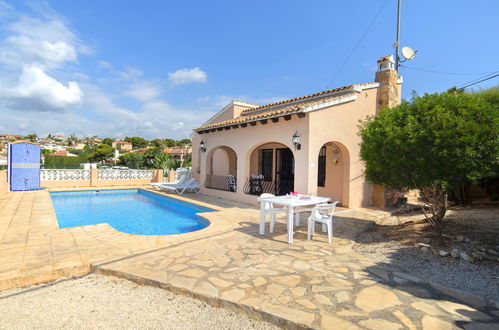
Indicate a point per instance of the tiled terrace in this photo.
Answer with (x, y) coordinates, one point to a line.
(309, 283)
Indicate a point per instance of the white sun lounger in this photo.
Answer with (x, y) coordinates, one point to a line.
(189, 186)
(158, 185)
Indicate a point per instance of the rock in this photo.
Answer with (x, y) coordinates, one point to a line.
(331, 322)
(467, 240)
(380, 324)
(492, 252)
(233, 295)
(375, 298)
(446, 236)
(421, 245)
(430, 323)
(454, 253)
(443, 253)
(459, 238)
(427, 240)
(465, 256)
(427, 308)
(478, 255)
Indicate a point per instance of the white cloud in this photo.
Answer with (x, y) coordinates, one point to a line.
(144, 92)
(101, 64)
(21, 50)
(178, 126)
(40, 72)
(185, 76)
(37, 91)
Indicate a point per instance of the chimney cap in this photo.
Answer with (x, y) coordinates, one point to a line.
(388, 58)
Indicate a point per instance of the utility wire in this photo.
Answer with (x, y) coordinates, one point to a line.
(479, 78)
(445, 72)
(488, 78)
(357, 44)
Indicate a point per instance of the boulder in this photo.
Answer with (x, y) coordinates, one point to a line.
(443, 253)
(465, 256)
(454, 253)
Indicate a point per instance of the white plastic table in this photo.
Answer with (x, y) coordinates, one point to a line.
(289, 202)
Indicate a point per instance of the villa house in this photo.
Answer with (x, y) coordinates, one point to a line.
(307, 144)
(125, 146)
(178, 153)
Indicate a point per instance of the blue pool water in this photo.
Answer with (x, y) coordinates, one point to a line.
(132, 211)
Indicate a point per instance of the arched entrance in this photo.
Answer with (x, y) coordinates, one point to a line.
(271, 170)
(333, 172)
(221, 169)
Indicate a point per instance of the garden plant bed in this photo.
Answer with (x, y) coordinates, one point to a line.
(408, 243)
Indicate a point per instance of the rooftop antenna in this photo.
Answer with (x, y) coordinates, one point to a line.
(407, 52)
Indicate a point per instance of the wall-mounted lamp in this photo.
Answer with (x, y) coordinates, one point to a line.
(336, 155)
(296, 141)
(202, 146)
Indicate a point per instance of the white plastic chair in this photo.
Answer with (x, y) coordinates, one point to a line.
(268, 208)
(322, 213)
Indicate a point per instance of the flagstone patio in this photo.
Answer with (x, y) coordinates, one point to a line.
(306, 284)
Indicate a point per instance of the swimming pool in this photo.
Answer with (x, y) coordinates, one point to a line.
(132, 211)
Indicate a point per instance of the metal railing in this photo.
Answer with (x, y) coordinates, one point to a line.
(221, 182)
(258, 186)
(64, 175)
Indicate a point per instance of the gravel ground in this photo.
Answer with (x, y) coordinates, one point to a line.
(477, 279)
(392, 245)
(101, 302)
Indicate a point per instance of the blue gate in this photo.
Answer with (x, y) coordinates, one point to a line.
(24, 166)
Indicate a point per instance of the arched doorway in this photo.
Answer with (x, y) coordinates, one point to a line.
(271, 170)
(333, 172)
(221, 169)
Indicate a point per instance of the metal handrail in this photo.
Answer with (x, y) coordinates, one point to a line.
(258, 186)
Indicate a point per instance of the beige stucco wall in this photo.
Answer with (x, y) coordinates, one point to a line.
(231, 111)
(333, 187)
(223, 162)
(339, 124)
(4, 187)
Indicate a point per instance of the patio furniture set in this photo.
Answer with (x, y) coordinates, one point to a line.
(293, 206)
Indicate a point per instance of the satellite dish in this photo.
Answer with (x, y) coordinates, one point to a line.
(408, 52)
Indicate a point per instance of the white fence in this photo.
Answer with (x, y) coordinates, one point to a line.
(125, 174)
(64, 175)
(70, 175)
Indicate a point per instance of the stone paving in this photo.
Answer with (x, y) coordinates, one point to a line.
(306, 284)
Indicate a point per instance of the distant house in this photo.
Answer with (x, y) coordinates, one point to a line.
(124, 146)
(64, 153)
(178, 153)
(9, 137)
(308, 144)
(79, 146)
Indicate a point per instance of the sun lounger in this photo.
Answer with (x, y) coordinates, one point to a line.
(158, 185)
(189, 186)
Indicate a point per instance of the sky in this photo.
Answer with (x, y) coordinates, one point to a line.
(158, 69)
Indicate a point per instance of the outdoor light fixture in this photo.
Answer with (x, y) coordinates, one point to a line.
(202, 146)
(336, 155)
(296, 141)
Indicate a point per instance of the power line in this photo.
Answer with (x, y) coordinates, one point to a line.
(476, 79)
(445, 72)
(357, 44)
(488, 78)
